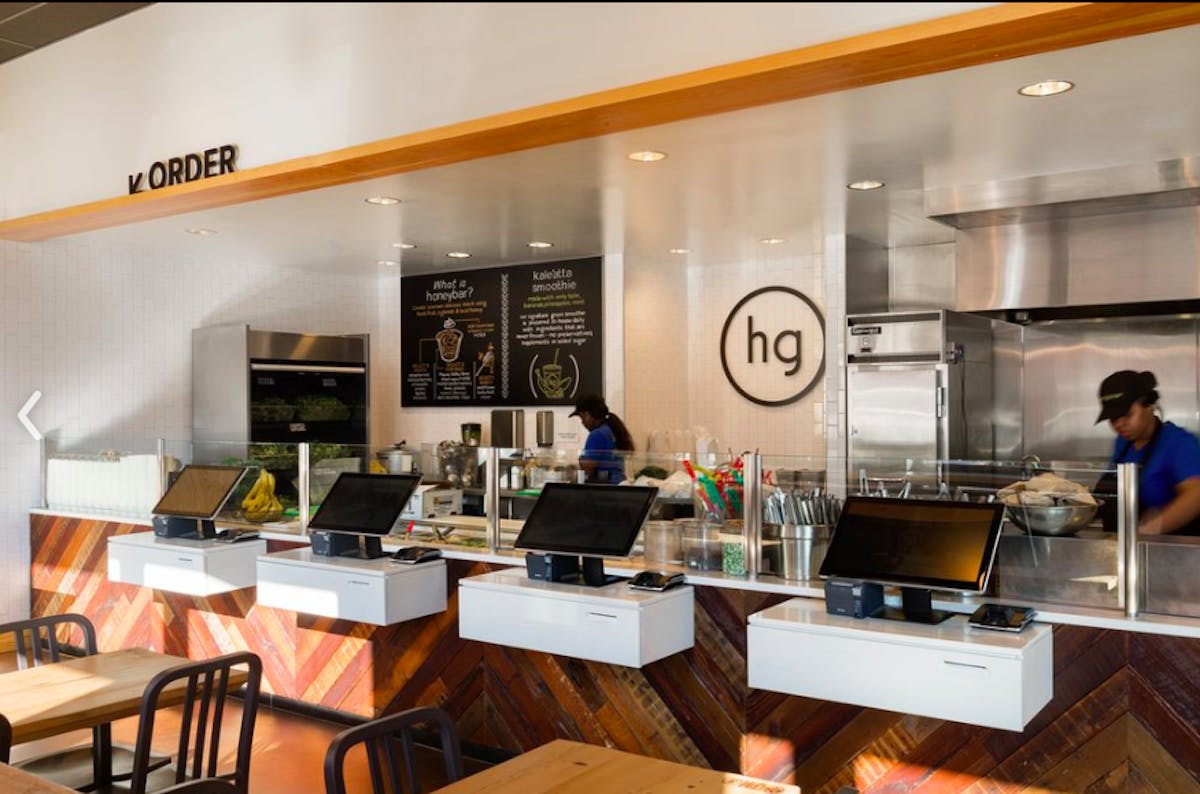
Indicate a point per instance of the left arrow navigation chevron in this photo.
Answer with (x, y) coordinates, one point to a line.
(23, 415)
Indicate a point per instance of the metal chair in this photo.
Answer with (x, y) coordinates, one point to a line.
(379, 737)
(205, 785)
(47, 640)
(198, 749)
(5, 739)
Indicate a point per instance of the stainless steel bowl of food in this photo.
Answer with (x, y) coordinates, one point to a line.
(1053, 519)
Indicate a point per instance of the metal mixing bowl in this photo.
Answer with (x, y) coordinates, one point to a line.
(1056, 520)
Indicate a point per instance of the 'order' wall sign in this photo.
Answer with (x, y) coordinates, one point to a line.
(188, 168)
(773, 346)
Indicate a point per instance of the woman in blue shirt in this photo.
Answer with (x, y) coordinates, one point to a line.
(607, 435)
(1168, 456)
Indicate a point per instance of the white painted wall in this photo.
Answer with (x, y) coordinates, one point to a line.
(283, 80)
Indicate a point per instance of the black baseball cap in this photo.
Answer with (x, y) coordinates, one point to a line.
(1120, 390)
(592, 403)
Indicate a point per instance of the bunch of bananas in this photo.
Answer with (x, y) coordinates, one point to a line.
(260, 503)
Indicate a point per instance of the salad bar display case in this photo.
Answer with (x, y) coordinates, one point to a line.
(278, 389)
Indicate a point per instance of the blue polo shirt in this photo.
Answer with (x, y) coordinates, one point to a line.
(1174, 458)
(600, 446)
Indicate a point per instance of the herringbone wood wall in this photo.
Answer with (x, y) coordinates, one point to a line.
(1125, 714)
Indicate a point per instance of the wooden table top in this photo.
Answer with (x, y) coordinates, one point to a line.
(16, 781)
(79, 693)
(566, 767)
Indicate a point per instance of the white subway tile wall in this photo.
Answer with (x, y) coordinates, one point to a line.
(105, 334)
(656, 356)
(714, 289)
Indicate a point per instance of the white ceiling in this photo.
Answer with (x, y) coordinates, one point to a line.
(733, 179)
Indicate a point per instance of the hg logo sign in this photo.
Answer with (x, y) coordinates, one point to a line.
(773, 346)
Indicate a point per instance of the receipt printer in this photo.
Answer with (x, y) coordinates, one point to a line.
(853, 598)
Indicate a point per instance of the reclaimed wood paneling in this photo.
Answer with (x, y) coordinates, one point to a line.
(1125, 714)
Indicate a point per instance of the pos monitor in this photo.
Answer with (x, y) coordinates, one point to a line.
(918, 545)
(358, 506)
(193, 499)
(573, 523)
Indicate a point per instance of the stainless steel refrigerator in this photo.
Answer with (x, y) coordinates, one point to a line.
(919, 389)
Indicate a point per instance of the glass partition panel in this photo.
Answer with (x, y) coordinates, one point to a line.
(1055, 547)
(799, 508)
(1167, 565)
(268, 497)
(106, 475)
(450, 506)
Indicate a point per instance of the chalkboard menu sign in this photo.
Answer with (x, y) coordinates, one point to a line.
(521, 335)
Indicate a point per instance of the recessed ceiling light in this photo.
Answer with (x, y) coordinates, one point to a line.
(772, 240)
(388, 263)
(865, 184)
(540, 244)
(200, 230)
(680, 251)
(648, 156)
(382, 201)
(1046, 88)
(405, 246)
(458, 255)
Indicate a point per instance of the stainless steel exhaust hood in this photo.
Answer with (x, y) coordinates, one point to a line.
(1124, 188)
(1119, 235)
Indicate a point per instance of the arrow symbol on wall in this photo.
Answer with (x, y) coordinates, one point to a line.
(23, 415)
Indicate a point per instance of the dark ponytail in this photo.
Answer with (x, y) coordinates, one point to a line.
(1149, 381)
(621, 437)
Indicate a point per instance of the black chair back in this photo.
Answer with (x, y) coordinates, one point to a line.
(380, 737)
(41, 641)
(5, 739)
(37, 640)
(208, 785)
(207, 684)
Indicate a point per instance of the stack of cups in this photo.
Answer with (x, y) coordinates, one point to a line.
(663, 543)
(701, 544)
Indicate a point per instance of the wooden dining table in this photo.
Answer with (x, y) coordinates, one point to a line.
(86, 691)
(567, 767)
(16, 781)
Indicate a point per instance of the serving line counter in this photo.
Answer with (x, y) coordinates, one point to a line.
(1048, 611)
(694, 706)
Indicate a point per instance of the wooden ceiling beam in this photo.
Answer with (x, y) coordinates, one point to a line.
(987, 35)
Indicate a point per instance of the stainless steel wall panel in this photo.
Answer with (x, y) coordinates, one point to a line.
(220, 388)
(921, 277)
(1007, 388)
(867, 285)
(1064, 363)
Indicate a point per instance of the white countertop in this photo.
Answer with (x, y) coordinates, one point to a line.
(1092, 617)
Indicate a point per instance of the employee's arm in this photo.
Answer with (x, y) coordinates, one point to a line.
(1178, 513)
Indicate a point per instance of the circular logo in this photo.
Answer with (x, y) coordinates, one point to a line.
(773, 346)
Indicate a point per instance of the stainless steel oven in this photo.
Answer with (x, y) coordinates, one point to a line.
(278, 388)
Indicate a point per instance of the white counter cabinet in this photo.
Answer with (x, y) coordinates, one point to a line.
(612, 624)
(948, 671)
(177, 565)
(380, 591)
